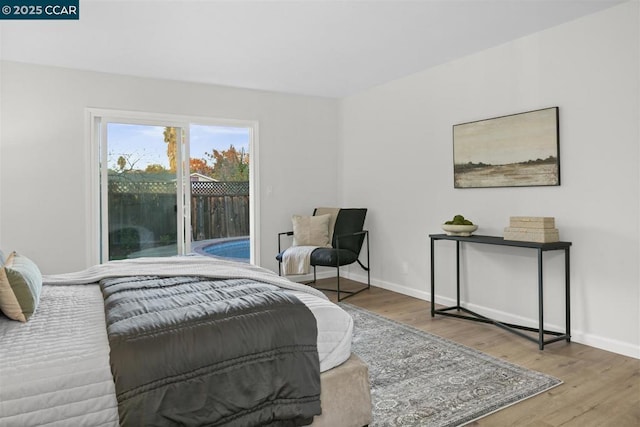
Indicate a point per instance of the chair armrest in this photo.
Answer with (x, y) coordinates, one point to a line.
(356, 233)
(284, 233)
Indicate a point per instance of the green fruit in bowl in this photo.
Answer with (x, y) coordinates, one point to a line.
(459, 220)
(459, 226)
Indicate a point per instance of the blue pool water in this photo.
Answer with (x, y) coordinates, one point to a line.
(236, 249)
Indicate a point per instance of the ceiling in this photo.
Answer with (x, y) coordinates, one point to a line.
(323, 48)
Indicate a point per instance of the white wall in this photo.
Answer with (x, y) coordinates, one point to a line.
(397, 161)
(43, 150)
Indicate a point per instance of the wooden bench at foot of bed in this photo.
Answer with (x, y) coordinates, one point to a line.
(345, 395)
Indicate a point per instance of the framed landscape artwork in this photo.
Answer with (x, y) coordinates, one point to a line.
(518, 150)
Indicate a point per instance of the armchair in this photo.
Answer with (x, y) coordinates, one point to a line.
(346, 244)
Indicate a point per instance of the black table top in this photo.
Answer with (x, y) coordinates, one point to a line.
(495, 240)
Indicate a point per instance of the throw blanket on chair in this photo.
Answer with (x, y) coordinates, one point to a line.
(296, 259)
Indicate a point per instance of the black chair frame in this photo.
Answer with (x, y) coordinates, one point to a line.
(349, 293)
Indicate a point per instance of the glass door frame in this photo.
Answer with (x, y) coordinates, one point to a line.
(96, 120)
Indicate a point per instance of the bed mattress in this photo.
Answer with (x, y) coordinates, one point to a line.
(55, 369)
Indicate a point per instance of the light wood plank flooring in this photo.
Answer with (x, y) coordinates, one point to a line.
(600, 388)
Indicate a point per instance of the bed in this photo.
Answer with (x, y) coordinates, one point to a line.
(133, 343)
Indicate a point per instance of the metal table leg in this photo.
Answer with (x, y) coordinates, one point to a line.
(433, 293)
(540, 303)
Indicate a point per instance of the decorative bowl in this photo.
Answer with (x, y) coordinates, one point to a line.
(459, 230)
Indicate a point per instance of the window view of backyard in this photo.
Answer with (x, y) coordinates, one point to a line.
(143, 184)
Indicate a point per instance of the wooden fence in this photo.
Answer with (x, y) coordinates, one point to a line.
(219, 209)
(136, 209)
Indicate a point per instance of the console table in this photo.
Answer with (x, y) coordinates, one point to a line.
(516, 329)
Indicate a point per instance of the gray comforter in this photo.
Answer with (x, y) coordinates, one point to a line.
(195, 351)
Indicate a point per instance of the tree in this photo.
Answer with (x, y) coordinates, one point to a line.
(230, 165)
(200, 166)
(155, 168)
(122, 163)
(171, 138)
(126, 162)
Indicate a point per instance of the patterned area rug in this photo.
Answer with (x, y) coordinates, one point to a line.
(420, 379)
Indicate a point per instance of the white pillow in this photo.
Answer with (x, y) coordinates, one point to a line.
(311, 230)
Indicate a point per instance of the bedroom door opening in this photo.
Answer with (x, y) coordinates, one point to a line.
(172, 187)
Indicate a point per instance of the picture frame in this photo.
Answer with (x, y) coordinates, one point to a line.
(517, 150)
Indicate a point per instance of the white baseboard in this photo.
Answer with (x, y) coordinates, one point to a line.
(300, 278)
(603, 343)
(362, 278)
(607, 344)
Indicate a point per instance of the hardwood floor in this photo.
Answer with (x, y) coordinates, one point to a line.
(600, 388)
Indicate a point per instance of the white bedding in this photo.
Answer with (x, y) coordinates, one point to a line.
(55, 370)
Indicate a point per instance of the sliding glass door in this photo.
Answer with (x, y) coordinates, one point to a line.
(143, 191)
(171, 187)
(220, 203)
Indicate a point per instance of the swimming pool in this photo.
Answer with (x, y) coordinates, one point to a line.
(237, 249)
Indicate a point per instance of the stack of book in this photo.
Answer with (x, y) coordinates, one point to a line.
(540, 229)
